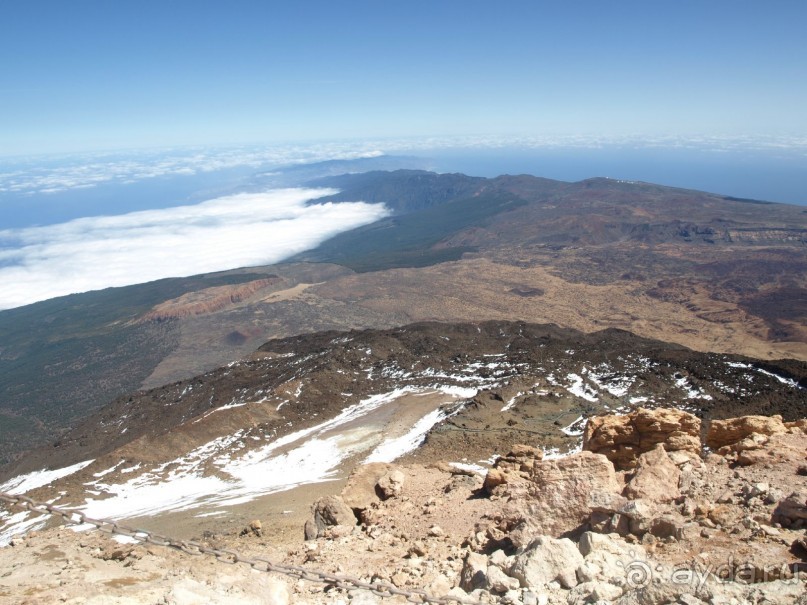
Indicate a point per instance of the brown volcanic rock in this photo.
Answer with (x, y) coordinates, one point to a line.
(613, 436)
(729, 432)
(623, 438)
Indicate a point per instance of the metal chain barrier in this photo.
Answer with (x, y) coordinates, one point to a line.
(231, 557)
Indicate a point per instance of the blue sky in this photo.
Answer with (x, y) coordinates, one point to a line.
(84, 75)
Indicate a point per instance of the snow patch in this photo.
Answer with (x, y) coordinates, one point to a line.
(107, 471)
(512, 401)
(788, 381)
(691, 391)
(30, 481)
(572, 431)
(18, 524)
(473, 468)
(579, 388)
(616, 385)
(554, 453)
(393, 449)
(459, 392)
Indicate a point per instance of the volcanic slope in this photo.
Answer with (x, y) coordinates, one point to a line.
(706, 271)
(218, 448)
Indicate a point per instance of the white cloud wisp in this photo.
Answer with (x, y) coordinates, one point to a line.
(239, 230)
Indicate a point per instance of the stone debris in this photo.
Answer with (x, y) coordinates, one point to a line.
(668, 527)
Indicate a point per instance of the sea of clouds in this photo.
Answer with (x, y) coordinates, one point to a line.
(56, 174)
(241, 230)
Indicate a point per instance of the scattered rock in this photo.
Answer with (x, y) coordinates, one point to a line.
(640, 515)
(418, 549)
(594, 592)
(666, 527)
(474, 572)
(254, 528)
(547, 560)
(723, 515)
(440, 586)
(791, 509)
(391, 484)
(327, 512)
(499, 582)
(500, 560)
(493, 479)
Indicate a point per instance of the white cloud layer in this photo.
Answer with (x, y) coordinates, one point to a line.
(240, 230)
(55, 174)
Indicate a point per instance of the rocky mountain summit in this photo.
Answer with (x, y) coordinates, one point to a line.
(648, 512)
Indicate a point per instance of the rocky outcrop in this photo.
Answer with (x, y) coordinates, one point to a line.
(360, 492)
(725, 433)
(517, 464)
(622, 439)
(368, 486)
(792, 510)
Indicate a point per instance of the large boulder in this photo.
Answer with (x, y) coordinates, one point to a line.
(328, 512)
(622, 439)
(560, 496)
(391, 484)
(656, 478)
(547, 560)
(724, 433)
